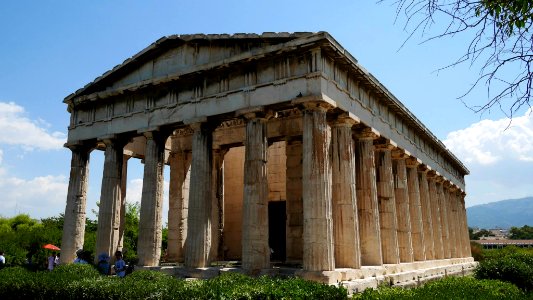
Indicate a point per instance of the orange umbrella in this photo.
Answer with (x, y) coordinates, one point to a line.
(51, 247)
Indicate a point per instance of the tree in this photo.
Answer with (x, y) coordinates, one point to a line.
(523, 233)
(502, 43)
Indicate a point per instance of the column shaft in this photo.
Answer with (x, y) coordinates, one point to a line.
(318, 228)
(387, 206)
(294, 201)
(367, 200)
(255, 249)
(345, 220)
(107, 235)
(403, 213)
(150, 222)
(123, 188)
(180, 162)
(444, 219)
(452, 223)
(415, 211)
(198, 244)
(74, 226)
(217, 212)
(426, 214)
(435, 217)
(467, 252)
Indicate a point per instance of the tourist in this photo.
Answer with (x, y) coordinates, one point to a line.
(80, 257)
(52, 261)
(120, 265)
(103, 264)
(2, 260)
(57, 259)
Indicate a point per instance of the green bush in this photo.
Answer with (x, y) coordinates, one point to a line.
(449, 288)
(516, 268)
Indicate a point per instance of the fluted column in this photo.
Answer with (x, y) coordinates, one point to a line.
(74, 221)
(429, 243)
(294, 201)
(180, 162)
(198, 243)
(443, 217)
(387, 204)
(403, 213)
(345, 220)
(450, 190)
(415, 210)
(467, 252)
(107, 235)
(318, 228)
(435, 215)
(255, 249)
(150, 221)
(457, 221)
(123, 188)
(367, 199)
(217, 212)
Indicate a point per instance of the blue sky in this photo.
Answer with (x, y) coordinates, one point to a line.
(49, 49)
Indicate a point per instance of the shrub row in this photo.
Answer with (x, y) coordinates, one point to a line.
(84, 282)
(513, 267)
(449, 288)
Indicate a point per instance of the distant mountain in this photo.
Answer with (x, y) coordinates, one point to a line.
(501, 214)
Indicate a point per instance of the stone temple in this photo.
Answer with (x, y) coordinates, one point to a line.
(284, 153)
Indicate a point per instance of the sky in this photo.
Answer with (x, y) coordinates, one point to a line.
(49, 49)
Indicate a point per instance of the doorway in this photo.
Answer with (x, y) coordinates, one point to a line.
(277, 230)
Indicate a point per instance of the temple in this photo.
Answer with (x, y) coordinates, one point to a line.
(283, 152)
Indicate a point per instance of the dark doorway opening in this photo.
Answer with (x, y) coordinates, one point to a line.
(277, 230)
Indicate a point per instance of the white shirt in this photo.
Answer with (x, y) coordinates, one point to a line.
(2, 260)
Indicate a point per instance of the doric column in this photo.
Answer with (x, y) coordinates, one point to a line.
(255, 248)
(345, 220)
(318, 226)
(123, 188)
(403, 213)
(435, 215)
(295, 224)
(452, 223)
(415, 210)
(107, 235)
(198, 244)
(150, 221)
(443, 217)
(387, 204)
(74, 221)
(467, 252)
(458, 232)
(429, 243)
(180, 163)
(217, 211)
(367, 199)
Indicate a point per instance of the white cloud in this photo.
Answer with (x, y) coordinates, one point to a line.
(1, 156)
(488, 142)
(19, 130)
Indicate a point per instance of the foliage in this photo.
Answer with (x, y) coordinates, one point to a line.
(477, 251)
(83, 282)
(523, 233)
(449, 288)
(479, 234)
(500, 40)
(511, 265)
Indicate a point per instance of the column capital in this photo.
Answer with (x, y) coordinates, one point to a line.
(382, 144)
(433, 175)
(345, 119)
(440, 179)
(412, 162)
(423, 168)
(258, 112)
(399, 153)
(81, 145)
(367, 134)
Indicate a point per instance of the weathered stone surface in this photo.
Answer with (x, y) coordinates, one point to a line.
(151, 214)
(435, 215)
(74, 226)
(107, 235)
(180, 163)
(443, 218)
(217, 211)
(403, 212)
(294, 201)
(318, 226)
(367, 200)
(345, 219)
(387, 204)
(198, 243)
(255, 248)
(429, 243)
(415, 210)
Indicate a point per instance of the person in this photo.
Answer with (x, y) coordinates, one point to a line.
(79, 257)
(52, 261)
(57, 259)
(120, 265)
(2, 260)
(103, 264)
